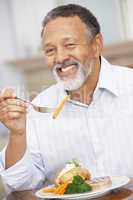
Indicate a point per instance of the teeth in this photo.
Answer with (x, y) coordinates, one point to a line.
(67, 68)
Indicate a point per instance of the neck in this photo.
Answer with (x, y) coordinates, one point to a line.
(85, 93)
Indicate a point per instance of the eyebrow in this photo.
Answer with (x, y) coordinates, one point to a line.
(48, 44)
(69, 38)
(64, 40)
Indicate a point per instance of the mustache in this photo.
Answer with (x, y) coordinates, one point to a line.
(66, 64)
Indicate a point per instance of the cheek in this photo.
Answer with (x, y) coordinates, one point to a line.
(84, 59)
(87, 58)
(83, 54)
(49, 63)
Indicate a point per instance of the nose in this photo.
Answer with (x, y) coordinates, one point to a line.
(61, 55)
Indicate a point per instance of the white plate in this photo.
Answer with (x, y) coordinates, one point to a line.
(117, 181)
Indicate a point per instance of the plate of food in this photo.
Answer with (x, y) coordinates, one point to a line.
(75, 182)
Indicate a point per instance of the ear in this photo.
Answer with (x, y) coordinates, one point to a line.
(98, 45)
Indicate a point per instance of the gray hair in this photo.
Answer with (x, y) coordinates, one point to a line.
(72, 10)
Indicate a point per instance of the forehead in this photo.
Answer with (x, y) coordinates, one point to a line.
(64, 27)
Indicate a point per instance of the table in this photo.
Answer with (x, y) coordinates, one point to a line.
(124, 193)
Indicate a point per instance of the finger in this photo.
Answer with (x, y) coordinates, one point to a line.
(16, 102)
(12, 108)
(13, 115)
(7, 92)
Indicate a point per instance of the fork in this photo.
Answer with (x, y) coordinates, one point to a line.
(41, 109)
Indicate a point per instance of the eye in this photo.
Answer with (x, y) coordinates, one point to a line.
(70, 45)
(49, 51)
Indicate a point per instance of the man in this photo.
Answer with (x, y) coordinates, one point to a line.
(95, 125)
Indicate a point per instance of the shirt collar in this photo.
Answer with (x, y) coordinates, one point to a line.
(107, 79)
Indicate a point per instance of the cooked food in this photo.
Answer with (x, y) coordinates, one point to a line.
(75, 178)
(72, 169)
(57, 189)
(78, 185)
(60, 106)
(100, 182)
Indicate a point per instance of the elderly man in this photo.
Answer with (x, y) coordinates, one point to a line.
(95, 125)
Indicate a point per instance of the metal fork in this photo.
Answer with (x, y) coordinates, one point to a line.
(41, 109)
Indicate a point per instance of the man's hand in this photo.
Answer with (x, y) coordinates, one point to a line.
(13, 116)
(12, 112)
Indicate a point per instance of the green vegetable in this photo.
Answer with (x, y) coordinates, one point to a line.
(71, 189)
(77, 180)
(84, 188)
(78, 185)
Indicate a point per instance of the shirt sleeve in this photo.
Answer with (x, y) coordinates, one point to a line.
(29, 172)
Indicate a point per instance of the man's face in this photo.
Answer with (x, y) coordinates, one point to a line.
(68, 51)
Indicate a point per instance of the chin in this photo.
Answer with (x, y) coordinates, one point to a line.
(72, 83)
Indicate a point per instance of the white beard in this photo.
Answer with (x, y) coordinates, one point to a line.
(76, 82)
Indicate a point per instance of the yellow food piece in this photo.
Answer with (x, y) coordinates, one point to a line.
(60, 106)
(49, 190)
(61, 189)
(56, 190)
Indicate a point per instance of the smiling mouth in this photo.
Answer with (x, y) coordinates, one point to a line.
(67, 70)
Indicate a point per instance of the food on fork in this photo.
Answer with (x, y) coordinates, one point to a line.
(60, 106)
